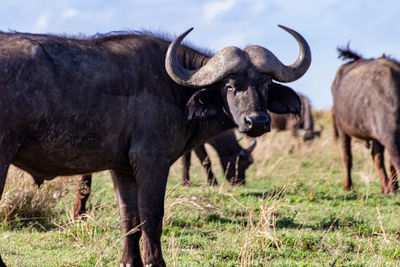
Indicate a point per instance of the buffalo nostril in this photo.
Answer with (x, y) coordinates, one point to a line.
(248, 121)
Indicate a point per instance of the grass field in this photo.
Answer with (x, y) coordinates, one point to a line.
(291, 212)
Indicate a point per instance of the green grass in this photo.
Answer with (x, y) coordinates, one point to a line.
(291, 212)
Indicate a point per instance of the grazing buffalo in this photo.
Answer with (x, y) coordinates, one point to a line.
(234, 159)
(302, 125)
(366, 105)
(131, 103)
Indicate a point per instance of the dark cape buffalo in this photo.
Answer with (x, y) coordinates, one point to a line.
(302, 125)
(133, 104)
(366, 105)
(234, 159)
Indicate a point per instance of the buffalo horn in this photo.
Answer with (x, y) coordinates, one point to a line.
(318, 132)
(247, 151)
(266, 62)
(228, 60)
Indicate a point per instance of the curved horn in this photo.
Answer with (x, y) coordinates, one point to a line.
(228, 60)
(265, 61)
(247, 151)
(318, 132)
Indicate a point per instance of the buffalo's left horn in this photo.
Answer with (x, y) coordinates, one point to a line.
(265, 61)
(228, 60)
(247, 151)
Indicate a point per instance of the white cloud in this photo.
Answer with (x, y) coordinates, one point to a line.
(69, 13)
(212, 9)
(41, 23)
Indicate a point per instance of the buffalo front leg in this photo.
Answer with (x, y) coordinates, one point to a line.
(9, 147)
(82, 194)
(201, 153)
(3, 174)
(379, 163)
(152, 180)
(345, 143)
(185, 168)
(127, 194)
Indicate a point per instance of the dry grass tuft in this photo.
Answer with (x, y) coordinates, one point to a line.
(174, 203)
(260, 232)
(23, 202)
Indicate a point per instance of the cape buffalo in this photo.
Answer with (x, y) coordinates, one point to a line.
(366, 105)
(131, 103)
(302, 125)
(234, 159)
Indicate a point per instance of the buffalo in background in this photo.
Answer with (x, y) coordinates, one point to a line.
(131, 103)
(366, 105)
(234, 159)
(302, 125)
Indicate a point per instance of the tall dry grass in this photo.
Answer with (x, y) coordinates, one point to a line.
(23, 202)
(260, 231)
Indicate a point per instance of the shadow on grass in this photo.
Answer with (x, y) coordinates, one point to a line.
(272, 193)
(38, 224)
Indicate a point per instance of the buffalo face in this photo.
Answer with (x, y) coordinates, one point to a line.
(239, 83)
(244, 102)
(247, 98)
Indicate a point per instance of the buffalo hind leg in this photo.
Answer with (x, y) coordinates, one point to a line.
(201, 153)
(345, 143)
(394, 152)
(379, 163)
(185, 168)
(127, 194)
(393, 177)
(82, 194)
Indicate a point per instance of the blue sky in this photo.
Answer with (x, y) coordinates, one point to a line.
(372, 27)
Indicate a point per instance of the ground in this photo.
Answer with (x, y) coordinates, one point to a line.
(291, 212)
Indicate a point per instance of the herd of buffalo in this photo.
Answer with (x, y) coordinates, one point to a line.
(134, 103)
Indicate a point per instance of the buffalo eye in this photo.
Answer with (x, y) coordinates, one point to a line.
(229, 88)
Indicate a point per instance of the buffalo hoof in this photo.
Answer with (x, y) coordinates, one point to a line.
(213, 182)
(187, 183)
(80, 216)
(348, 187)
(386, 190)
(237, 182)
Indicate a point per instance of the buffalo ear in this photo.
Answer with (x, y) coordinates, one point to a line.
(205, 104)
(283, 99)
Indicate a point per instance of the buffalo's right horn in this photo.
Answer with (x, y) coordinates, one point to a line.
(265, 61)
(227, 61)
(318, 132)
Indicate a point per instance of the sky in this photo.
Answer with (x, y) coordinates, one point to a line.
(371, 27)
